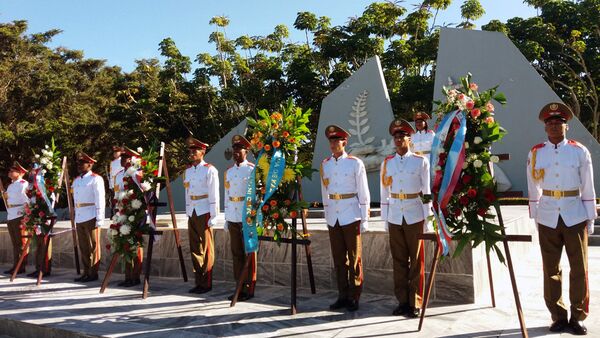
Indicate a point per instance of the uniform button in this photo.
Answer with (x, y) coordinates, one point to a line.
(558, 209)
(557, 185)
(556, 175)
(555, 163)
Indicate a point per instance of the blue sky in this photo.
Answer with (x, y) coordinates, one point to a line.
(121, 31)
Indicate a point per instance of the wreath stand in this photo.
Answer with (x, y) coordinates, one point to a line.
(505, 240)
(48, 237)
(294, 241)
(152, 211)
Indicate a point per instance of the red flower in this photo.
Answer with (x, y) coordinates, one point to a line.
(470, 104)
(457, 212)
(276, 215)
(293, 214)
(287, 203)
(42, 214)
(475, 113)
(273, 203)
(155, 173)
(126, 246)
(51, 188)
(481, 211)
(489, 195)
(265, 207)
(144, 163)
(138, 234)
(467, 178)
(464, 200)
(458, 187)
(472, 193)
(114, 226)
(108, 247)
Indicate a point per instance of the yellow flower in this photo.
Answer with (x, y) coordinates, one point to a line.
(288, 175)
(264, 165)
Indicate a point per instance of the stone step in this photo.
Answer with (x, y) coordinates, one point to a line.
(594, 240)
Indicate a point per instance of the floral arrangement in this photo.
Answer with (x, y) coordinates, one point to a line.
(278, 134)
(129, 223)
(44, 180)
(472, 191)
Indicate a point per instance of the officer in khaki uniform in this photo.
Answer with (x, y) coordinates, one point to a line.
(235, 181)
(422, 138)
(404, 179)
(201, 182)
(88, 197)
(562, 201)
(132, 271)
(346, 202)
(15, 198)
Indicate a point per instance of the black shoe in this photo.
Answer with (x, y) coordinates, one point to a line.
(89, 279)
(352, 305)
(124, 283)
(33, 274)
(198, 289)
(401, 310)
(134, 282)
(577, 326)
(559, 325)
(80, 278)
(413, 312)
(244, 297)
(340, 303)
(203, 290)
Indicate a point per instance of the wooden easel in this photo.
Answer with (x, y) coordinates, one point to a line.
(294, 241)
(153, 208)
(505, 240)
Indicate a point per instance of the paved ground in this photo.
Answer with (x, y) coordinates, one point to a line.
(59, 304)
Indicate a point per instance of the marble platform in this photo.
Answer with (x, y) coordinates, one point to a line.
(460, 280)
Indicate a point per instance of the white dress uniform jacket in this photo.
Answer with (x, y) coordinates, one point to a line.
(422, 140)
(408, 174)
(199, 181)
(236, 181)
(345, 175)
(16, 198)
(566, 166)
(115, 167)
(88, 193)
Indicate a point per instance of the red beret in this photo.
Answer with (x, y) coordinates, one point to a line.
(556, 110)
(401, 126)
(239, 140)
(333, 132)
(83, 157)
(193, 143)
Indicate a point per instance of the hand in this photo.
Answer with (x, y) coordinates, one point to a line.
(386, 226)
(364, 226)
(99, 223)
(226, 226)
(212, 221)
(590, 227)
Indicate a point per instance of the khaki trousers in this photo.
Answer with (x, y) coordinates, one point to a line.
(238, 253)
(201, 248)
(407, 255)
(17, 239)
(88, 236)
(575, 241)
(346, 249)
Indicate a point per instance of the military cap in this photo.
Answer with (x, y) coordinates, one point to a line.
(401, 126)
(193, 143)
(556, 110)
(239, 140)
(421, 116)
(128, 152)
(83, 157)
(117, 148)
(336, 132)
(18, 167)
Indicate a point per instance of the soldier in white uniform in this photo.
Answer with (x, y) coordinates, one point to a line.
(132, 271)
(88, 196)
(235, 181)
(560, 183)
(201, 182)
(404, 179)
(422, 139)
(15, 197)
(346, 201)
(115, 166)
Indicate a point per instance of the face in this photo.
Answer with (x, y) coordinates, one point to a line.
(196, 155)
(337, 145)
(556, 128)
(83, 166)
(116, 154)
(14, 174)
(401, 140)
(125, 160)
(239, 154)
(420, 124)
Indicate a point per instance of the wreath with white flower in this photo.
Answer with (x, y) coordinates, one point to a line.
(130, 221)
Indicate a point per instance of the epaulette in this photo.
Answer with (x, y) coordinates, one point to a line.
(326, 159)
(538, 146)
(418, 155)
(430, 131)
(353, 157)
(22, 181)
(188, 166)
(575, 143)
(251, 164)
(389, 157)
(208, 165)
(94, 174)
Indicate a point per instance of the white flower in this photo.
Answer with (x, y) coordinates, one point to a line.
(129, 192)
(46, 146)
(437, 167)
(115, 217)
(37, 156)
(477, 140)
(49, 166)
(43, 171)
(122, 219)
(139, 149)
(146, 186)
(466, 145)
(136, 204)
(494, 159)
(131, 218)
(44, 161)
(114, 232)
(465, 165)
(477, 163)
(125, 229)
(130, 171)
(136, 161)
